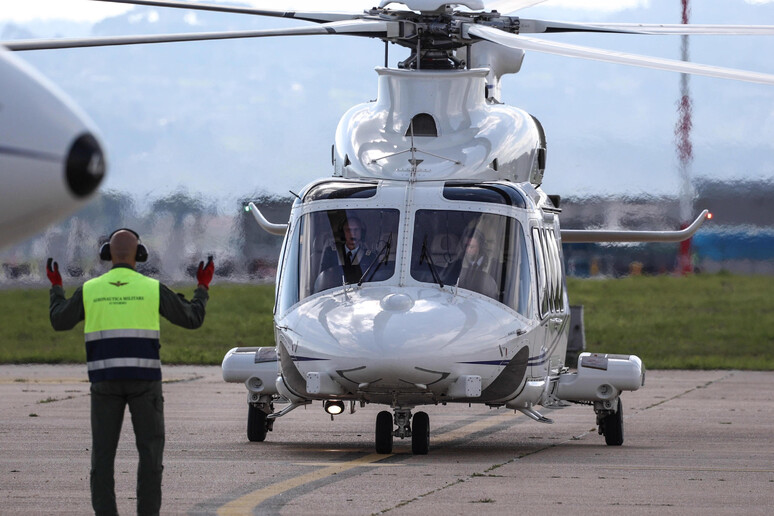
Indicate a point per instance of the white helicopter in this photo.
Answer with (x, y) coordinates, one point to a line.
(51, 162)
(428, 269)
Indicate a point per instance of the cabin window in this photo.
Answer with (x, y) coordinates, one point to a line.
(559, 286)
(481, 252)
(558, 283)
(422, 125)
(332, 248)
(548, 263)
(542, 271)
(288, 279)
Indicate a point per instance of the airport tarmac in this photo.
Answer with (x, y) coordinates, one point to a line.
(696, 442)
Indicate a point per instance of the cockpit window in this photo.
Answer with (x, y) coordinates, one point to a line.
(482, 252)
(337, 247)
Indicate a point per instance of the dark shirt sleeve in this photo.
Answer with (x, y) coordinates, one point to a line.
(65, 313)
(181, 312)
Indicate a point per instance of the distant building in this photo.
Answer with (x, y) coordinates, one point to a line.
(739, 238)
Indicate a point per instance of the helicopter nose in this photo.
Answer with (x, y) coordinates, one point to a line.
(401, 336)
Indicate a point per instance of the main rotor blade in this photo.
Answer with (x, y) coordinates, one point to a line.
(321, 17)
(527, 26)
(689, 29)
(366, 28)
(563, 49)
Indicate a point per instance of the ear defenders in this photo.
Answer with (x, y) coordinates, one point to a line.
(140, 256)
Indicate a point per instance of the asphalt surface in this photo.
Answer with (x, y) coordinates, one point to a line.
(696, 442)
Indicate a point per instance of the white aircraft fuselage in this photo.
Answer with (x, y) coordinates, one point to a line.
(50, 161)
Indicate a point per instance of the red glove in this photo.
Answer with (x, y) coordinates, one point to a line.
(205, 272)
(53, 273)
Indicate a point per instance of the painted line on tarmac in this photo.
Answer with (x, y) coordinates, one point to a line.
(326, 464)
(246, 504)
(469, 429)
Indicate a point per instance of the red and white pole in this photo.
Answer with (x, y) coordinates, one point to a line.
(685, 151)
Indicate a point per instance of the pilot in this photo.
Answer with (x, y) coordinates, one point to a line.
(354, 248)
(473, 274)
(121, 311)
(352, 255)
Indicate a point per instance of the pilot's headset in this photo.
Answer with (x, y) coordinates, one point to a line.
(140, 256)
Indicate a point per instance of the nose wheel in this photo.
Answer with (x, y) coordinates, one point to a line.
(419, 430)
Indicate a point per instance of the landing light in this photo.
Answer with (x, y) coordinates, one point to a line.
(333, 407)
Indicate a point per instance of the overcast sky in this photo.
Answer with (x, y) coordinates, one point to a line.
(88, 10)
(610, 127)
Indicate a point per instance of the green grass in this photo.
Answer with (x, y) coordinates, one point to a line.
(698, 322)
(237, 315)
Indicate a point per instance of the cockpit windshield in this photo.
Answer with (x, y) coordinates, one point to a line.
(482, 252)
(338, 247)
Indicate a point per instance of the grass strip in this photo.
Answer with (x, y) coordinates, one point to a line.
(697, 322)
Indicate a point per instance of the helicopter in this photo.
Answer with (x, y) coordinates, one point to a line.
(51, 159)
(428, 268)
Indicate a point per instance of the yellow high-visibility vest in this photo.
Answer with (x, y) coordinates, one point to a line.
(121, 326)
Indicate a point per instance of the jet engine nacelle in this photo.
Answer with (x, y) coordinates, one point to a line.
(50, 160)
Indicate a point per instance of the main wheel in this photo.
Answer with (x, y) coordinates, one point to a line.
(384, 432)
(420, 433)
(612, 427)
(256, 424)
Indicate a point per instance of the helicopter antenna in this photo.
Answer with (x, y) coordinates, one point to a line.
(414, 162)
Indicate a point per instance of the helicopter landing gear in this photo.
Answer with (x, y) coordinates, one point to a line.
(418, 430)
(610, 423)
(420, 434)
(384, 432)
(258, 424)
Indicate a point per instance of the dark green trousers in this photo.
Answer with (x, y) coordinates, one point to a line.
(146, 405)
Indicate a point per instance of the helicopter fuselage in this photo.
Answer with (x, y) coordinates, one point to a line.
(427, 270)
(407, 339)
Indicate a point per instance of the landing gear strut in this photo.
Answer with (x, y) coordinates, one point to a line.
(418, 430)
